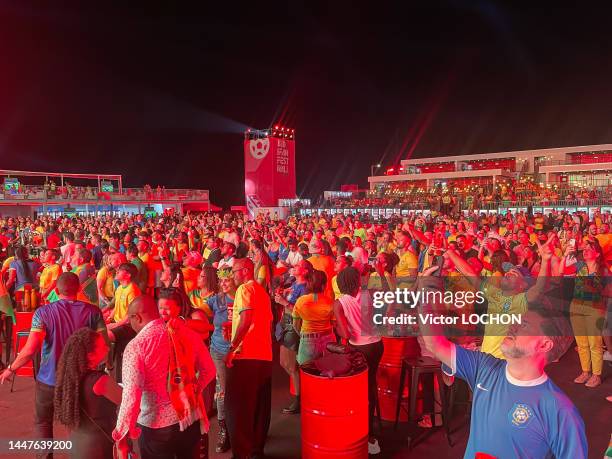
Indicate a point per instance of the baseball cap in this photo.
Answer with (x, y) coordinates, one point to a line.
(507, 267)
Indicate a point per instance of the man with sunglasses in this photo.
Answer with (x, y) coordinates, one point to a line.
(248, 390)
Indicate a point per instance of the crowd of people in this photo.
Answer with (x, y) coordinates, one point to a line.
(472, 197)
(192, 307)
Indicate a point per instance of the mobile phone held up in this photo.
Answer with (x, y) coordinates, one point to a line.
(439, 262)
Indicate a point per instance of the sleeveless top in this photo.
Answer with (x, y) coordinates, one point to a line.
(99, 408)
(359, 327)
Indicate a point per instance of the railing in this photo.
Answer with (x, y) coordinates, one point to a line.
(67, 193)
(575, 160)
(466, 205)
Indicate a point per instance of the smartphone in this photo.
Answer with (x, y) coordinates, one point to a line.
(572, 243)
(439, 262)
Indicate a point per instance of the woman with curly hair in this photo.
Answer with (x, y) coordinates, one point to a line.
(86, 398)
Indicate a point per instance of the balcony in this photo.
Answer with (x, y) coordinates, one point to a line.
(38, 194)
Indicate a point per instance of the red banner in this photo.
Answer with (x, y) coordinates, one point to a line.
(269, 171)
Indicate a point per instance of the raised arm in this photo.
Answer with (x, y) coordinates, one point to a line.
(463, 267)
(433, 335)
(546, 253)
(418, 235)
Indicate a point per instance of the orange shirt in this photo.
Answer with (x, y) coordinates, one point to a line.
(257, 343)
(191, 278)
(316, 312)
(325, 264)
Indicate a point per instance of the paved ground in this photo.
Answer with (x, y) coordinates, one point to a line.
(16, 415)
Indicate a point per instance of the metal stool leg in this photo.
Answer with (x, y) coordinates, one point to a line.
(8, 329)
(400, 391)
(17, 343)
(414, 389)
(377, 408)
(445, 395)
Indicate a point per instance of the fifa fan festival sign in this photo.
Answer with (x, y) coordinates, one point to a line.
(269, 170)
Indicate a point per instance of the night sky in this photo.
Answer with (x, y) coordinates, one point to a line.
(163, 96)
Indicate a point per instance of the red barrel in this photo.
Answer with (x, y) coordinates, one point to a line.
(388, 375)
(334, 416)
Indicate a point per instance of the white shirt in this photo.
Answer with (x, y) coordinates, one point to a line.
(145, 395)
(359, 326)
(225, 263)
(293, 258)
(360, 258)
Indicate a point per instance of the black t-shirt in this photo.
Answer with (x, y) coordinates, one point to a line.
(99, 409)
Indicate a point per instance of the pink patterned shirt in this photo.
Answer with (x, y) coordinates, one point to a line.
(145, 396)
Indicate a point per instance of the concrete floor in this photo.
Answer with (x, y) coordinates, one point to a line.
(16, 417)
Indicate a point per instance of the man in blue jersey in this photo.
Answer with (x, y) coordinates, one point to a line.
(517, 411)
(52, 325)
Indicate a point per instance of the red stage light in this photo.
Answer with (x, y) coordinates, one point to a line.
(276, 127)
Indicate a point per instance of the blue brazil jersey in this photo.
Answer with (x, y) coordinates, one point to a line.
(517, 419)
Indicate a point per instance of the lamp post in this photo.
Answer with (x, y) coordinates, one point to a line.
(374, 168)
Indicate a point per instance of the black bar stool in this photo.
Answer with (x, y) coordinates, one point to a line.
(453, 388)
(6, 329)
(35, 361)
(419, 367)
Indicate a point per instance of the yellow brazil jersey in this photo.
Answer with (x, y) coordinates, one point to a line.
(200, 302)
(49, 275)
(408, 263)
(337, 293)
(123, 297)
(191, 278)
(105, 276)
(262, 275)
(146, 258)
(375, 282)
(257, 343)
(499, 303)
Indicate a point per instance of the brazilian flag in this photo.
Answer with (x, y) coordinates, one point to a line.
(6, 304)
